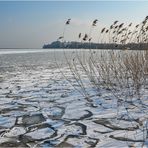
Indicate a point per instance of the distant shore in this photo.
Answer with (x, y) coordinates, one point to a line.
(89, 45)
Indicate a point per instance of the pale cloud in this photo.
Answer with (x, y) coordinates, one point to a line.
(80, 22)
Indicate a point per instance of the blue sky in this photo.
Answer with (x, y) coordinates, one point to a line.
(31, 24)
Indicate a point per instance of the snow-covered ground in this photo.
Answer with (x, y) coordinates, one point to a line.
(39, 108)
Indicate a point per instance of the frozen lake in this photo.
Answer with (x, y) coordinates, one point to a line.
(40, 108)
(21, 59)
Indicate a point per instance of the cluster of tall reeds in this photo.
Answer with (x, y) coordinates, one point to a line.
(124, 72)
(115, 70)
(124, 34)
